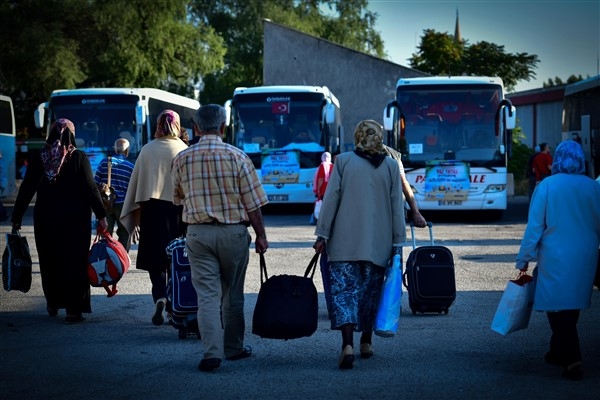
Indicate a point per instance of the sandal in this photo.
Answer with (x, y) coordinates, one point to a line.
(74, 319)
(573, 371)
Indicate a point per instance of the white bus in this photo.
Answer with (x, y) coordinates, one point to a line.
(102, 115)
(455, 137)
(285, 130)
(7, 147)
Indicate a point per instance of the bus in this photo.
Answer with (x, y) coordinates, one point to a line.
(455, 135)
(581, 120)
(7, 147)
(102, 115)
(285, 130)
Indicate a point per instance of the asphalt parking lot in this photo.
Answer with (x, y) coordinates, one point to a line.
(118, 354)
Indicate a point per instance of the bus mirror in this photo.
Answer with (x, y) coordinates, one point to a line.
(510, 115)
(329, 113)
(39, 114)
(388, 118)
(227, 107)
(140, 113)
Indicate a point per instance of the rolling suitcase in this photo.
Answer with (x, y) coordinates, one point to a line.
(181, 292)
(429, 277)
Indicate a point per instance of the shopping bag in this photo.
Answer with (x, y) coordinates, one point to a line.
(16, 263)
(317, 210)
(388, 311)
(516, 304)
(287, 305)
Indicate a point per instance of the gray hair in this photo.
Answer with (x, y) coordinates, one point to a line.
(121, 145)
(210, 117)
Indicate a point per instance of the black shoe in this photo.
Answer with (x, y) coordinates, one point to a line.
(74, 319)
(209, 364)
(552, 359)
(247, 352)
(573, 372)
(157, 318)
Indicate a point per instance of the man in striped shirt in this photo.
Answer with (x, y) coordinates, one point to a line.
(221, 196)
(120, 174)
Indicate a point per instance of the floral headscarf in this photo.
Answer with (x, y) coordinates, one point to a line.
(59, 146)
(568, 158)
(368, 140)
(168, 124)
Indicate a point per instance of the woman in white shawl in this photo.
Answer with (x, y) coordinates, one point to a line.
(149, 207)
(562, 235)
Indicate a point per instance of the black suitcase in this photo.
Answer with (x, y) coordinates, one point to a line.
(181, 292)
(429, 277)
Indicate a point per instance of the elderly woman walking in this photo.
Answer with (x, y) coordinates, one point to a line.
(361, 226)
(149, 207)
(563, 235)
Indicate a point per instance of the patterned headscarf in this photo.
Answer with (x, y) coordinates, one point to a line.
(168, 124)
(568, 158)
(368, 140)
(59, 146)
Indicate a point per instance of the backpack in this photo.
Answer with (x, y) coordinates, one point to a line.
(107, 262)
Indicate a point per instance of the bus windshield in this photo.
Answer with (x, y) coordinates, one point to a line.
(290, 121)
(98, 123)
(450, 122)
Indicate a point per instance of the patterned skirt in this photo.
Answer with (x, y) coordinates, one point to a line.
(355, 291)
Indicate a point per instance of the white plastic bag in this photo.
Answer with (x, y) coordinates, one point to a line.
(318, 204)
(388, 311)
(514, 310)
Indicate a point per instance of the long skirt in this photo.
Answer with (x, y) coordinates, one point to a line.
(355, 291)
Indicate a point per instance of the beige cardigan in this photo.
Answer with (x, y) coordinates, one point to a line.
(151, 177)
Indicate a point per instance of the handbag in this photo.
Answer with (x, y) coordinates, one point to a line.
(107, 192)
(16, 263)
(388, 310)
(287, 305)
(514, 310)
(108, 261)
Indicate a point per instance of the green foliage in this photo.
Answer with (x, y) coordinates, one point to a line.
(517, 163)
(64, 44)
(440, 54)
(240, 23)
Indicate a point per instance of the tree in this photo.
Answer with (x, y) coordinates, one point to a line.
(440, 54)
(240, 23)
(557, 81)
(100, 43)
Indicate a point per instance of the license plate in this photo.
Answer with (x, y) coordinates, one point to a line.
(449, 203)
(277, 197)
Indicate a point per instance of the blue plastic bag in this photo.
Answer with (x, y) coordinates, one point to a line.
(388, 311)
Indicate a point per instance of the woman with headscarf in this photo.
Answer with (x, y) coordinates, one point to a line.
(149, 208)
(563, 235)
(63, 180)
(361, 226)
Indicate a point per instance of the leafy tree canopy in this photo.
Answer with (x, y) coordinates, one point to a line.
(240, 23)
(441, 54)
(63, 44)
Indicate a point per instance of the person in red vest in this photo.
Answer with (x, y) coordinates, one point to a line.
(542, 163)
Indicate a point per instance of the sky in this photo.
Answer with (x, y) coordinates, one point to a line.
(565, 35)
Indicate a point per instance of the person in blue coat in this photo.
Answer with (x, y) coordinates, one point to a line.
(562, 236)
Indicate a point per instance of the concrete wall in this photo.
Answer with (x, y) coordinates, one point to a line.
(363, 84)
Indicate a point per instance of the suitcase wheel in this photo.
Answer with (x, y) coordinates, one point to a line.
(182, 333)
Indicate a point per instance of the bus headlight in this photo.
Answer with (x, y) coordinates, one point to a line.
(494, 188)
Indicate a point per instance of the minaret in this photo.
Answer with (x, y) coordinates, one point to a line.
(457, 38)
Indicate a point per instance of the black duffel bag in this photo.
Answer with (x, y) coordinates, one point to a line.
(287, 306)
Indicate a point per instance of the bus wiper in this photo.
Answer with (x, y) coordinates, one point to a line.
(483, 164)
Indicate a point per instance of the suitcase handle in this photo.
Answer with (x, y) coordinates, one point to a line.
(412, 232)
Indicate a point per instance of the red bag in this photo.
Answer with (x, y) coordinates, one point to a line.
(107, 262)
